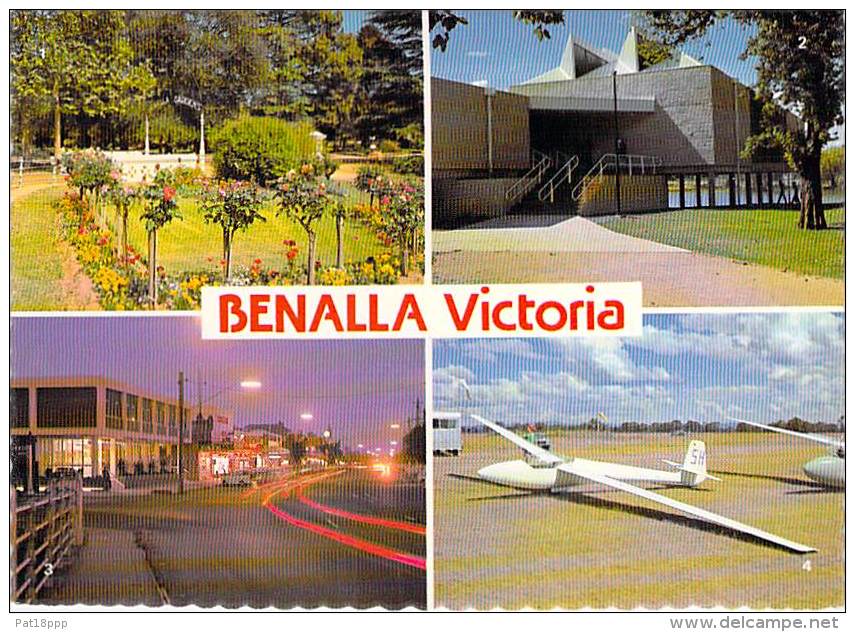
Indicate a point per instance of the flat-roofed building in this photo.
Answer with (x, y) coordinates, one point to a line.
(553, 143)
(94, 423)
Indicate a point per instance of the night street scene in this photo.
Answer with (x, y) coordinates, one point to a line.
(300, 481)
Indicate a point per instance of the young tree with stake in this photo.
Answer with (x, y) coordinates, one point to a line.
(234, 206)
(303, 197)
(161, 208)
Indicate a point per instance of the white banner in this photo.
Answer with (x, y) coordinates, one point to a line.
(451, 311)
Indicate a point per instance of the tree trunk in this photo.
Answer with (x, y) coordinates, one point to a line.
(227, 255)
(310, 272)
(339, 250)
(125, 237)
(405, 259)
(57, 124)
(152, 268)
(812, 216)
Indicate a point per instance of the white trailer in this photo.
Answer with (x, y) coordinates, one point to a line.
(447, 438)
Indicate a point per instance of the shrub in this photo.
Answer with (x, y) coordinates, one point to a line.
(261, 149)
(410, 165)
(365, 176)
(389, 146)
(88, 170)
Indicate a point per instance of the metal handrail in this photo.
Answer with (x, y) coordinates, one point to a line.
(528, 180)
(548, 189)
(606, 161)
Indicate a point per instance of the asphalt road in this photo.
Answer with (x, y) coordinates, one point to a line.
(224, 547)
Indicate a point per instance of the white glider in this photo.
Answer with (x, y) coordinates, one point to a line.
(829, 470)
(554, 473)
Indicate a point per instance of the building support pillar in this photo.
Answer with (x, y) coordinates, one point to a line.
(759, 189)
(711, 183)
(731, 190)
(698, 202)
(682, 190)
(749, 199)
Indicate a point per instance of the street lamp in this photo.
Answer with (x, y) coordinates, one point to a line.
(617, 142)
(307, 416)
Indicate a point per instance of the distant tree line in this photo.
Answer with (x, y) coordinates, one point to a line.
(83, 78)
(677, 426)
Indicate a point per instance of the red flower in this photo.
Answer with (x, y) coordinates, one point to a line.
(317, 265)
(292, 254)
(168, 194)
(257, 262)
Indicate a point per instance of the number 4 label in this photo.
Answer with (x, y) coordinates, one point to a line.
(807, 566)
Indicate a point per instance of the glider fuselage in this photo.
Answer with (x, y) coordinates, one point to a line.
(829, 470)
(522, 475)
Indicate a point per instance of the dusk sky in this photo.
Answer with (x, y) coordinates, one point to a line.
(706, 367)
(356, 387)
(496, 48)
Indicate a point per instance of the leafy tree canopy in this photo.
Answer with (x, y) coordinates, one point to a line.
(800, 69)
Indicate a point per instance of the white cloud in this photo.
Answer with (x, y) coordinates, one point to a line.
(700, 366)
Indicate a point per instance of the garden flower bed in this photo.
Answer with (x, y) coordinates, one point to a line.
(102, 222)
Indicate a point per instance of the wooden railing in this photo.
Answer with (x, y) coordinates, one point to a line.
(42, 529)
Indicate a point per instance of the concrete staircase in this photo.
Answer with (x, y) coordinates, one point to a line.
(553, 195)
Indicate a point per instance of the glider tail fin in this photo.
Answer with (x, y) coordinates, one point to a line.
(694, 468)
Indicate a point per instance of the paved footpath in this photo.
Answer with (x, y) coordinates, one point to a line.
(580, 251)
(108, 569)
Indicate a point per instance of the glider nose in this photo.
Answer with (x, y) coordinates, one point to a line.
(826, 470)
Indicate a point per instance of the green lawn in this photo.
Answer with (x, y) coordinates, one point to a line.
(187, 244)
(35, 253)
(766, 237)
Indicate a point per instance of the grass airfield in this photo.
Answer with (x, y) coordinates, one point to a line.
(503, 548)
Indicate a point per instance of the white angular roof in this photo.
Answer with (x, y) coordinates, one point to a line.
(581, 60)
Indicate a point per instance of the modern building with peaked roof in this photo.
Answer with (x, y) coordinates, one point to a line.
(550, 143)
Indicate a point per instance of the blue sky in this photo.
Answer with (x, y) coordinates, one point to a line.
(706, 367)
(495, 48)
(352, 21)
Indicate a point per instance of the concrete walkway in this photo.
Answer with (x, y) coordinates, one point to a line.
(110, 568)
(576, 234)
